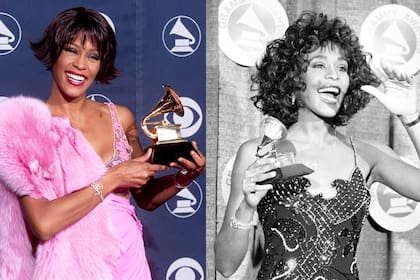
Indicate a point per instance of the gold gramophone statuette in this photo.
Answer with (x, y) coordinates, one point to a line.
(167, 143)
(275, 145)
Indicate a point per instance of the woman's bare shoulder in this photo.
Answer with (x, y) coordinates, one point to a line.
(246, 154)
(250, 145)
(373, 152)
(124, 114)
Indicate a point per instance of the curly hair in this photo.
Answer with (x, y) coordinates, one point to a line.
(279, 74)
(64, 30)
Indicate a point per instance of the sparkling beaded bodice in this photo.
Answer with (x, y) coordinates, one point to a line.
(311, 238)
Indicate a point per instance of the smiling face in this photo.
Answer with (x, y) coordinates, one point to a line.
(76, 68)
(327, 81)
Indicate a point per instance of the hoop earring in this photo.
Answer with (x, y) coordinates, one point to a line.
(345, 105)
(293, 99)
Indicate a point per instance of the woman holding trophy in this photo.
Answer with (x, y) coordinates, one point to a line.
(313, 79)
(70, 166)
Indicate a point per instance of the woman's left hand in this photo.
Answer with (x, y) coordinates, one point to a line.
(189, 170)
(399, 91)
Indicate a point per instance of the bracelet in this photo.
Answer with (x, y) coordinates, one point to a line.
(177, 184)
(411, 123)
(99, 188)
(235, 223)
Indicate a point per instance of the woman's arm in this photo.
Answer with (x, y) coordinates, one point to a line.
(399, 96)
(232, 241)
(47, 217)
(387, 168)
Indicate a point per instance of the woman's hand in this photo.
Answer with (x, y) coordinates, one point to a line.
(134, 173)
(189, 170)
(399, 94)
(259, 170)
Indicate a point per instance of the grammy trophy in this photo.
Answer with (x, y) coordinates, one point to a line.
(167, 143)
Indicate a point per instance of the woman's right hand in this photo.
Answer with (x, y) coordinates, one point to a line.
(134, 173)
(260, 170)
(399, 94)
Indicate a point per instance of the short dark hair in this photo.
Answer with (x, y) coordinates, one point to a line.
(65, 28)
(279, 74)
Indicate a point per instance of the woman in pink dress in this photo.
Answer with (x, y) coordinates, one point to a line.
(70, 165)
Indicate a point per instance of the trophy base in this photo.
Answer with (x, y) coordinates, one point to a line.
(165, 153)
(287, 172)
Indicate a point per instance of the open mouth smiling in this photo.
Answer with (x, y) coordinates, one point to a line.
(74, 78)
(329, 94)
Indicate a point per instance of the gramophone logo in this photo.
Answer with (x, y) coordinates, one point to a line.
(181, 36)
(192, 119)
(10, 33)
(185, 269)
(99, 98)
(109, 20)
(245, 27)
(391, 210)
(392, 32)
(187, 202)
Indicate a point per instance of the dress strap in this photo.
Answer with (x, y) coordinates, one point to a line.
(116, 124)
(354, 151)
(122, 149)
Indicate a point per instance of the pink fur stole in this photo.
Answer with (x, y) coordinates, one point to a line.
(43, 156)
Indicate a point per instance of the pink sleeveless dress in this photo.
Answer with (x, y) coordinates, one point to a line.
(132, 263)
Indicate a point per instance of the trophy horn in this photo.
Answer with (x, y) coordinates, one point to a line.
(170, 102)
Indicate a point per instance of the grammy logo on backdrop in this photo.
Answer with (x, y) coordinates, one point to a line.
(275, 145)
(167, 142)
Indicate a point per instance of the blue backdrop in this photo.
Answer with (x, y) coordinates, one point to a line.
(159, 42)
